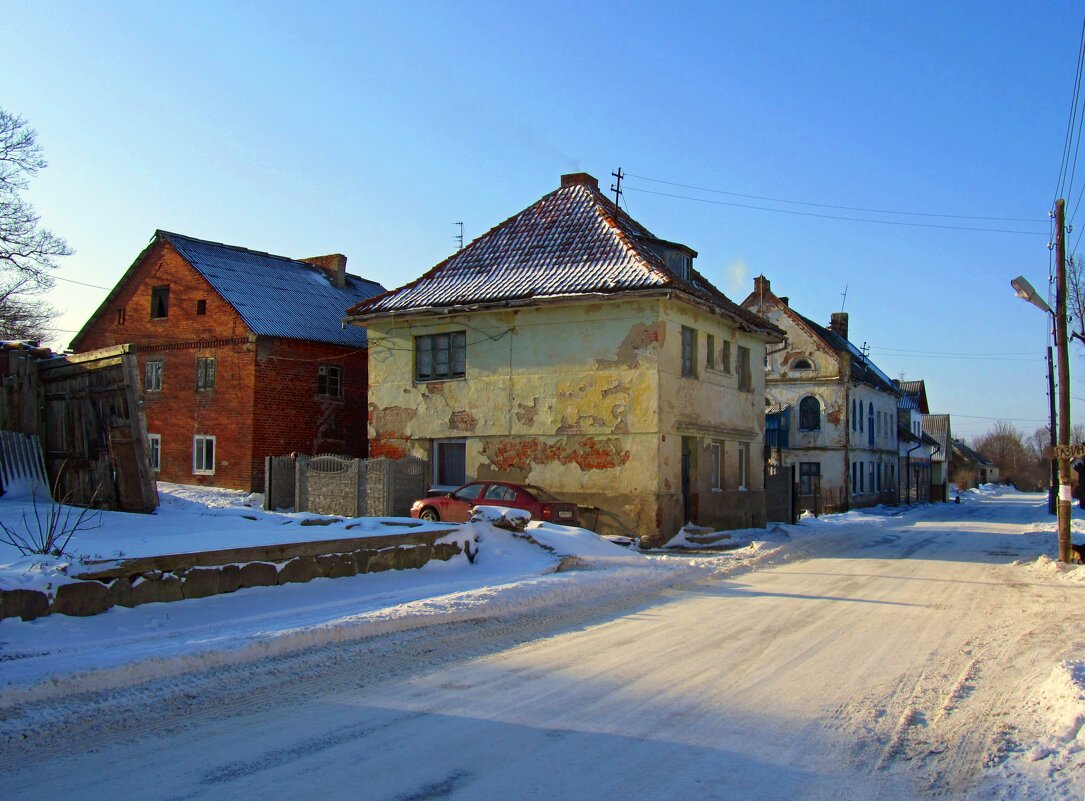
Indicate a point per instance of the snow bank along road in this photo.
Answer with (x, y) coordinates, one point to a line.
(880, 657)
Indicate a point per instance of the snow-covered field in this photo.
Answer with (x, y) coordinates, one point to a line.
(936, 651)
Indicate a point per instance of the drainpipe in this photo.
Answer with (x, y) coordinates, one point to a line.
(938, 449)
(908, 456)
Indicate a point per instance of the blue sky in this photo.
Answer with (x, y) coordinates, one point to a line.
(370, 129)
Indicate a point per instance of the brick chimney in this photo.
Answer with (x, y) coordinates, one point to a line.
(761, 286)
(838, 324)
(334, 264)
(579, 179)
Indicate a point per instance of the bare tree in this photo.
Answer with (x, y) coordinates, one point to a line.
(1019, 458)
(24, 314)
(27, 251)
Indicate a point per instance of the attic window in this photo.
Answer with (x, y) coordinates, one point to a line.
(678, 263)
(802, 364)
(201, 306)
(160, 302)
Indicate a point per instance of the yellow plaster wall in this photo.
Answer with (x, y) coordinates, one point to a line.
(563, 396)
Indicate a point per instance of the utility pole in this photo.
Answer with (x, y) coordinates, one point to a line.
(1065, 496)
(616, 187)
(1052, 490)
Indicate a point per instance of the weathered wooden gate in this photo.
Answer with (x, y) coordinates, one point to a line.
(87, 410)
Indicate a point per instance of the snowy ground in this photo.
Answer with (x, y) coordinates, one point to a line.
(931, 652)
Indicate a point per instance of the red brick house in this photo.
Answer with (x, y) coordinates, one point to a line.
(242, 355)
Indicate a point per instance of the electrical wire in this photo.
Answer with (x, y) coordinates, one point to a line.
(839, 217)
(839, 208)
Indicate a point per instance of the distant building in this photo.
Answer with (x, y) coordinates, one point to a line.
(572, 348)
(833, 407)
(916, 446)
(242, 355)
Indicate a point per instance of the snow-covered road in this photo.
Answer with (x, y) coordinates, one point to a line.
(888, 658)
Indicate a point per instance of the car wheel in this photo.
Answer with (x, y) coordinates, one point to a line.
(430, 514)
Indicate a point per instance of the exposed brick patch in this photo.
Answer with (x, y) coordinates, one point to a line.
(587, 453)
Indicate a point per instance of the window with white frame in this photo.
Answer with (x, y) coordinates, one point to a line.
(203, 455)
(439, 357)
(152, 376)
(716, 452)
(154, 451)
(449, 463)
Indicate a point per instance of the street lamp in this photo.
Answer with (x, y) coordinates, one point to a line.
(1023, 289)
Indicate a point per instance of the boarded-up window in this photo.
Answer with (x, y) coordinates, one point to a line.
(440, 356)
(152, 376)
(689, 352)
(725, 356)
(742, 368)
(205, 372)
(710, 352)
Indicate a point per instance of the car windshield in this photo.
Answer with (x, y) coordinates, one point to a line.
(468, 493)
(540, 493)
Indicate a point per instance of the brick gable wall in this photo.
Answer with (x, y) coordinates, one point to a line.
(265, 397)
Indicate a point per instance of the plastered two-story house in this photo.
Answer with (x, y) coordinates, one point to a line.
(840, 409)
(242, 355)
(570, 347)
(916, 446)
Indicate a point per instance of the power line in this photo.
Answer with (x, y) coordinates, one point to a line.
(839, 208)
(949, 353)
(81, 283)
(838, 217)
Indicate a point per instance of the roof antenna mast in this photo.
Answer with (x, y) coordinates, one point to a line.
(845, 296)
(616, 187)
(459, 236)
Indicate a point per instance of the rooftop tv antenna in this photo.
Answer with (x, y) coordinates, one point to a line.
(459, 236)
(844, 295)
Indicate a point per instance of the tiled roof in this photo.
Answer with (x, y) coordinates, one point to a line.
(862, 368)
(573, 241)
(937, 425)
(913, 395)
(277, 296)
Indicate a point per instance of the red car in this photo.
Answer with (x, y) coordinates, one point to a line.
(454, 506)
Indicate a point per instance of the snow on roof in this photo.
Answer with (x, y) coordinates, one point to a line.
(571, 242)
(275, 295)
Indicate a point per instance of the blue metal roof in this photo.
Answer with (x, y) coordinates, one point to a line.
(277, 296)
(573, 241)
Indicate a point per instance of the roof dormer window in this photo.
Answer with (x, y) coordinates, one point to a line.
(679, 264)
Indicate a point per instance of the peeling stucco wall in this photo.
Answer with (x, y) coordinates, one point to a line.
(584, 399)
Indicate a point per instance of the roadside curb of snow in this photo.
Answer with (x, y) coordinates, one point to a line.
(590, 579)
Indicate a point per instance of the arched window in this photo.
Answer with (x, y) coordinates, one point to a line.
(810, 414)
(860, 417)
(802, 364)
(854, 417)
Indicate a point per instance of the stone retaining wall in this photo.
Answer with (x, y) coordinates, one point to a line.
(116, 587)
